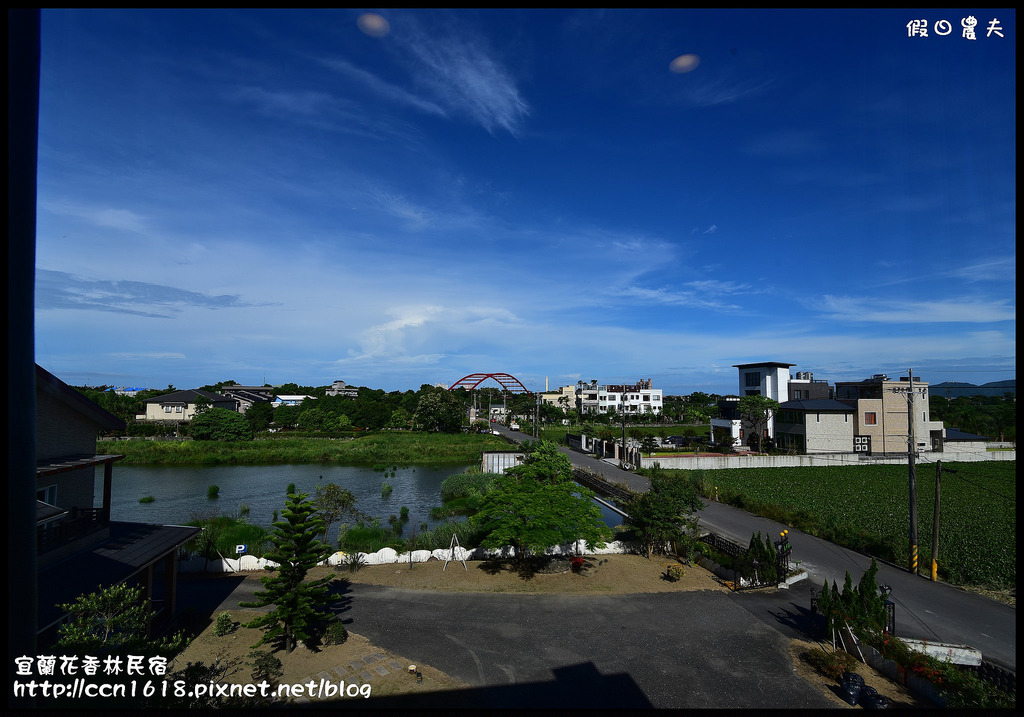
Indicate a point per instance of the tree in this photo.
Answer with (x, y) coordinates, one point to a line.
(664, 513)
(758, 411)
(400, 418)
(220, 424)
(332, 502)
(114, 619)
(438, 410)
(537, 505)
(544, 462)
(316, 418)
(202, 404)
(300, 607)
(700, 408)
(260, 416)
(286, 416)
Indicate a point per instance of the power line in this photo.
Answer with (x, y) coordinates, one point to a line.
(989, 490)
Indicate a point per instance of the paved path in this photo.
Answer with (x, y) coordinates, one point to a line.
(924, 610)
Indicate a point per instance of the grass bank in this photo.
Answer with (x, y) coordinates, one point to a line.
(389, 448)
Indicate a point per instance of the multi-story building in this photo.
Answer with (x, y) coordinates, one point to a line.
(181, 405)
(771, 379)
(340, 388)
(635, 399)
(80, 546)
(882, 406)
(247, 396)
(818, 425)
(563, 397)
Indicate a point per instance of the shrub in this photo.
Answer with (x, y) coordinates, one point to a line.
(363, 538)
(831, 664)
(335, 632)
(353, 561)
(212, 491)
(673, 572)
(385, 490)
(440, 536)
(225, 625)
(147, 499)
(265, 666)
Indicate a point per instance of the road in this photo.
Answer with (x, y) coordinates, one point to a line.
(924, 610)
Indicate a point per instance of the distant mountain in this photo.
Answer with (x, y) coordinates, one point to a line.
(955, 389)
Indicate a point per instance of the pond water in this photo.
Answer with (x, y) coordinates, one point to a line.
(180, 493)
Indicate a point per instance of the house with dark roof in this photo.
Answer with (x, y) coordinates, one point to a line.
(181, 405)
(248, 396)
(820, 425)
(80, 547)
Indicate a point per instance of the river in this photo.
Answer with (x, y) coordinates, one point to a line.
(180, 493)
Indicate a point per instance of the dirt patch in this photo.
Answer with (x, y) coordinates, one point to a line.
(899, 696)
(355, 662)
(601, 574)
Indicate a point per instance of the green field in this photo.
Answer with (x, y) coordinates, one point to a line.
(866, 508)
(388, 448)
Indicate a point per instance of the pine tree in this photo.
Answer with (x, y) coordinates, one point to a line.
(300, 607)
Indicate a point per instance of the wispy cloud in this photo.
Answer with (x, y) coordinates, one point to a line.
(415, 217)
(382, 88)
(105, 217)
(668, 297)
(965, 310)
(59, 290)
(459, 70)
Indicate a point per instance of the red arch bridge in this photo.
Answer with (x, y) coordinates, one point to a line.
(507, 381)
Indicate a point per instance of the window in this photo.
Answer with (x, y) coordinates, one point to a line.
(647, 397)
(754, 379)
(797, 395)
(870, 418)
(47, 494)
(167, 409)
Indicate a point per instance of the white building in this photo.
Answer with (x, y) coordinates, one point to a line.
(340, 388)
(290, 400)
(634, 400)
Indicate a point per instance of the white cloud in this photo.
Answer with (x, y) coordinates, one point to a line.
(382, 88)
(105, 217)
(969, 310)
(466, 77)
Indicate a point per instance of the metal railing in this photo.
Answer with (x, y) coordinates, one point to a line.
(80, 523)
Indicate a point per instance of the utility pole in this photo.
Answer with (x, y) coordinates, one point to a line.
(536, 419)
(623, 460)
(935, 524)
(912, 474)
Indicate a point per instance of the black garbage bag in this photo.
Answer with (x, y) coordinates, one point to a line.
(875, 702)
(850, 692)
(852, 678)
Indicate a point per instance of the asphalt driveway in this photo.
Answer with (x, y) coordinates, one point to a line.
(666, 650)
(693, 650)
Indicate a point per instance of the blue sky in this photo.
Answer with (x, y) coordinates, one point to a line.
(399, 197)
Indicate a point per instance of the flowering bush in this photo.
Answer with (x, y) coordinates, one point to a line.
(577, 563)
(673, 572)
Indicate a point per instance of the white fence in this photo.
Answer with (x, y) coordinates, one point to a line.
(387, 556)
(824, 459)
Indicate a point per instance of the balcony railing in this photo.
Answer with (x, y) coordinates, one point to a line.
(80, 523)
